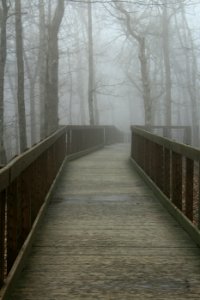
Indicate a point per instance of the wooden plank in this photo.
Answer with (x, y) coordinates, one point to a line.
(159, 165)
(2, 236)
(19, 164)
(184, 150)
(167, 172)
(105, 236)
(189, 182)
(177, 180)
(4, 178)
(13, 223)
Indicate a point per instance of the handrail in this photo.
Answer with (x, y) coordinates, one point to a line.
(173, 167)
(24, 183)
(26, 180)
(81, 138)
(168, 132)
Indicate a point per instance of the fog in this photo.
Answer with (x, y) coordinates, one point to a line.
(143, 67)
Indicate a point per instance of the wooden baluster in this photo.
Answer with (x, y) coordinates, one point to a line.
(199, 197)
(189, 181)
(167, 172)
(177, 180)
(147, 158)
(159, 166)
(12, 224)
(2, 236)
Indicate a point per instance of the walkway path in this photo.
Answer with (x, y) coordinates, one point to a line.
(105, 236)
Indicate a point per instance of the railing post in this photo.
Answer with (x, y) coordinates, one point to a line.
(189, 180)
(177, 179)
(2, 236)
(167, 172)
(153, 162)
(25, 204)
(68, 132)
(159, 165)
(133, 145)
(12, 224)
(199, 196)
(147, 156)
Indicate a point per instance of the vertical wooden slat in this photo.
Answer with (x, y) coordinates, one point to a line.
(133, 145)
(68, 141)
(139, 139)
(189, 178)
(177, 179)
(137, 145)
(151, 159)
(23, 197)
(142, 152)
(159, 166)
(12, 224)
(199, 197)
(167, 173)
(2, 236)
(26, 192)
(147, 158)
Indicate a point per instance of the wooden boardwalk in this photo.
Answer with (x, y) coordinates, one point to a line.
(105, 236)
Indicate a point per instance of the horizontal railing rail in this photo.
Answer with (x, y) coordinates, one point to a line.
(24, 183)
(173, 167)
(181, 134)
(26, 180)
(81, 138)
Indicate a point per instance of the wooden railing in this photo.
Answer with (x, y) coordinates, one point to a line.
(26, 180)
(181, 134)
(24, 183)
(86, 138)
(173, 167)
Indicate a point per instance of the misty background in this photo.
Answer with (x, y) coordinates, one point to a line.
(96, 62)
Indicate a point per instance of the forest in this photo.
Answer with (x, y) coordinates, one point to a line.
(92, 62)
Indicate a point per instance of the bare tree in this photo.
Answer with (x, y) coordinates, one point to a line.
(90, 66)
(139, 37)
(51, 81)
(20, 76)
(42, 65)
(191, 70)
(3, 53)
(167, 64)
(32, 77)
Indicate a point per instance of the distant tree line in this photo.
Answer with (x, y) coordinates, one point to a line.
(55, 58)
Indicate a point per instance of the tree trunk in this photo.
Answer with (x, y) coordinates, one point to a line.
(146, 87)
(42, 66)
(51, 86)
(14, 95)
(70, 87)
(80, 90)
(3, 53)
(145, 82)
(32, 81)
(90, 67)
(192, 76)
(191, 66)
(166, 55)
(20, 77)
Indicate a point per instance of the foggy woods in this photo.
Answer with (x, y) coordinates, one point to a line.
(96, 62)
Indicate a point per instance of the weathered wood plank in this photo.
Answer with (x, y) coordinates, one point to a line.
(105, 236)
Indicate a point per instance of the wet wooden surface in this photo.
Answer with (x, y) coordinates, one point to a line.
(105, 236)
